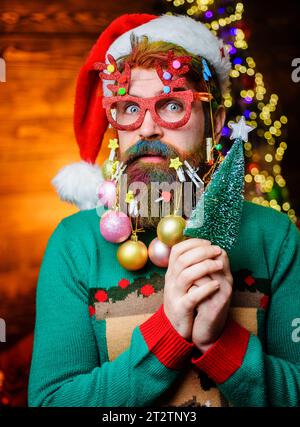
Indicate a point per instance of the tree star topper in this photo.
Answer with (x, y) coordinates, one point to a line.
(240, 129)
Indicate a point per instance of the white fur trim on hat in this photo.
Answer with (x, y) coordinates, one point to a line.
(183, 31)
(78, 183)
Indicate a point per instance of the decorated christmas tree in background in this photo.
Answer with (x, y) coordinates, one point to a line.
(248, 97)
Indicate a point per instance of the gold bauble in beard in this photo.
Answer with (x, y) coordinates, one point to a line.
(170, 229)
(132, 255)
(107, 169)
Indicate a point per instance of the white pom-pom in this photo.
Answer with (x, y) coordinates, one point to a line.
(78, 183)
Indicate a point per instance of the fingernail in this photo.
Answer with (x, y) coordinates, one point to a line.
(219, 264)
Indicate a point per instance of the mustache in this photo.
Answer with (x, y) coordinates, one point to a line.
(154, 147)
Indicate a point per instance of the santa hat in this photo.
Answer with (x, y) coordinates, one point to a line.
(78, 183)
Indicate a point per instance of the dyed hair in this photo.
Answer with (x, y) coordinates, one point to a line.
(144, 54)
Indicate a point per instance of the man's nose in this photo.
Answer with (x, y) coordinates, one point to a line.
(149, 128)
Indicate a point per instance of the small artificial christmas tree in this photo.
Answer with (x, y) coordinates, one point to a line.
(217, 215)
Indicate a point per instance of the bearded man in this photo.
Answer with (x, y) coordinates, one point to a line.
(213, 327)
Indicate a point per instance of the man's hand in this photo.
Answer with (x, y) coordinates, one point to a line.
(212, 312)
(189, 261)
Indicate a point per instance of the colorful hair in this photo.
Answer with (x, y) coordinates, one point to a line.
(145, 54)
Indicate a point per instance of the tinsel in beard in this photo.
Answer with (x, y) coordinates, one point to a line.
(140, 171)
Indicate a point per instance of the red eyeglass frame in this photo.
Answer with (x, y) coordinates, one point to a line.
(149, 104)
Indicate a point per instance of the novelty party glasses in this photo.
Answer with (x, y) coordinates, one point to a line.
(126, 112)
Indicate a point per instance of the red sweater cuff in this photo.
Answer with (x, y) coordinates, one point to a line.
(164, 341)
(222, 359)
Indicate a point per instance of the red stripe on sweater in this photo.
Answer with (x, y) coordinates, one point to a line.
(164, 341)
(226, 355)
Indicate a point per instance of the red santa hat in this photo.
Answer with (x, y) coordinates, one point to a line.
(78, 182)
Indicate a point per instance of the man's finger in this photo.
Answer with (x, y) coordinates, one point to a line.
(188, 276)
(198, 294)
(198, 254)
(186, 245)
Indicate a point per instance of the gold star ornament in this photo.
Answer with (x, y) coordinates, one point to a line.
(175, 163)
(129, 197)
(113, 144)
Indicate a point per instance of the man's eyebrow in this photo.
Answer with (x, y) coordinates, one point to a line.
(180, 89)
(158, 92)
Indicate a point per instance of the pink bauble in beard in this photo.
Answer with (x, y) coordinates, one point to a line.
(115, 226)
(159, 253)
(107, 193)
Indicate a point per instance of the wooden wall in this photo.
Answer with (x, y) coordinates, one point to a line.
(44, 44)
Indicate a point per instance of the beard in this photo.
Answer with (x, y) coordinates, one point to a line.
(156, 176)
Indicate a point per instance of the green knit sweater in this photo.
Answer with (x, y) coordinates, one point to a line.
(81, 356)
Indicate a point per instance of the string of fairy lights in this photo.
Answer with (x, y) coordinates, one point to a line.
(264, 183)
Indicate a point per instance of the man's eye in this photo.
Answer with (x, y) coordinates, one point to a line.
(174, 107)
(132, 109)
